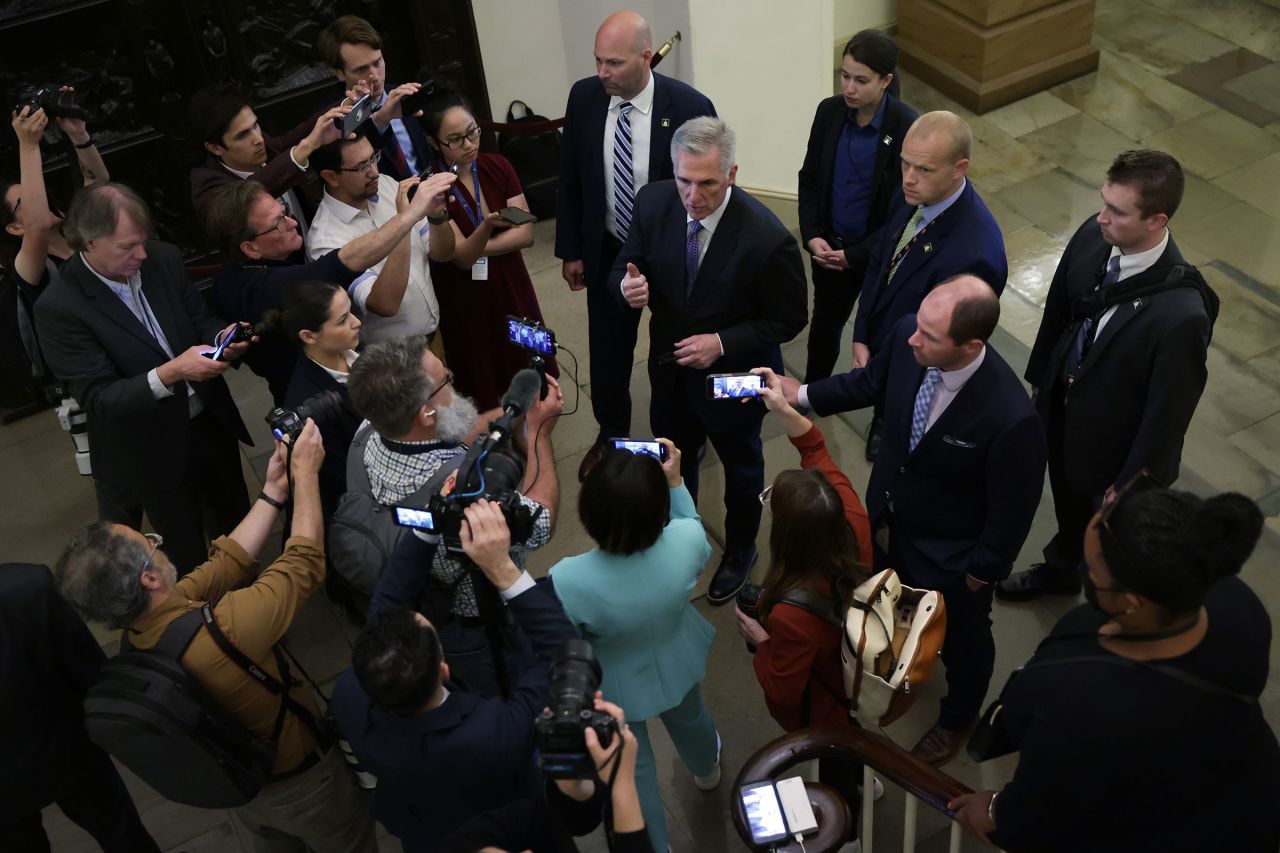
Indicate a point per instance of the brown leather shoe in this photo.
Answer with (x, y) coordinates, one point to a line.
(939, 745)
(593, 456)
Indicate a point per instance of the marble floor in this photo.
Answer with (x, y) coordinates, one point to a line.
(1197, 78)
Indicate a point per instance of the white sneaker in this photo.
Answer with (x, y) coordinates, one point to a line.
(712, 779)
(877, 790)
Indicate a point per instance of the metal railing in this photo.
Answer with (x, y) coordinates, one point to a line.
(879, 755)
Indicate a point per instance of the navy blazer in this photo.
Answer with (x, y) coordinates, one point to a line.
(439, 768)
(963, 500)
(1132, 402)
(750, 289)
(93, 342)
(964, 239)
(580, 218)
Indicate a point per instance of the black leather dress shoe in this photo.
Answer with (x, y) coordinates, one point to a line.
(873, 439)
(1040, 579)
(593, 456)
(730, 577)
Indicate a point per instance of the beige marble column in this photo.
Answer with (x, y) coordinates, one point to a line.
(986, 53)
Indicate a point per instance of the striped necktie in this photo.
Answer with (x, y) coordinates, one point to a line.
(624, 190)
(904, 241)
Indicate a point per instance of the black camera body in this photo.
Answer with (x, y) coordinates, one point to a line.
(322, 408)
(749, 603)
(50, 98)
(561, 729)
(492, 471)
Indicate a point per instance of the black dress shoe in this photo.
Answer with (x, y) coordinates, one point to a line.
(731, 576)
(874, 434)
(1040, 579)
(593, 456)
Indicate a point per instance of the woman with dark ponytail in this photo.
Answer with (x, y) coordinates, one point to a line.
(1137, 718)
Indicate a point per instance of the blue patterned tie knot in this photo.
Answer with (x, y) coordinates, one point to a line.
(920, 414)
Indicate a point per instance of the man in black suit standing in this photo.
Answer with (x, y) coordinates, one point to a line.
(617, 135)
(1119, 361)
(128, 333)
(958, 479)
(725, 287)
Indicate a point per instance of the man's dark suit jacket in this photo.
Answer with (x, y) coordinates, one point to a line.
(48, 659)
(816, 174)
(278, 175)
(963, 500)
(438, 769)
(750, 289)
(964, 239)
(1130, 406)
(580, 219)
(95, 344)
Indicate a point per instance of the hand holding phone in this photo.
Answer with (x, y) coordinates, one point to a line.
(652, 448)
(730, 386)
(516, 215)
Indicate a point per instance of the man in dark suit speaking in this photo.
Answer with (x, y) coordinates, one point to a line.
(127, 332)
(1124, 338)
(617, 133)
(958, 479)
(725, 285)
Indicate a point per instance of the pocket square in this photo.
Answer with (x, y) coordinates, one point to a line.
(952, 440)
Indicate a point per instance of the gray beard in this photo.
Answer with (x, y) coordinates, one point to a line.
(454, 423)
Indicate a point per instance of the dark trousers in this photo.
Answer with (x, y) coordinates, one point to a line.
(211, 499)
(1065, 552)
(834, 294)
(968, 651)
(612, 326)
(739, 449)
(845, 775)
(92, 795)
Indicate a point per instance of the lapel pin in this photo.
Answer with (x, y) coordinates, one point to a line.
(1137, 303)
(666, 122)
(887, 140)
(928, 247)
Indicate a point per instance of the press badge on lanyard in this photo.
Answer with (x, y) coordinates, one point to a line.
(480, 269)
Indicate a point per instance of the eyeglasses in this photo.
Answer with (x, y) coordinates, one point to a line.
(765, 495)
(282, 224)
(1139, 483)
(448, 380)
(366, 166)
(156, 541)
(453, 143)
(17, 204)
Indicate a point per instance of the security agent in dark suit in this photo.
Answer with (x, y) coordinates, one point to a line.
(127, 332)
(353, 49)
(1119, 361)
(938, 227)
(725, 287)
(954, 490)
(48, 659)
(851, 171)
(597, 190)
(441, 754)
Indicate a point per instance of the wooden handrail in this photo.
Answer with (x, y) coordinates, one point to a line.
(891, 761)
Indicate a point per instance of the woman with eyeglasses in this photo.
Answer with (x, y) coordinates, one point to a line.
(819, 551)
(1137, 718)
(630, 598)
(487, 280)
(318, 318)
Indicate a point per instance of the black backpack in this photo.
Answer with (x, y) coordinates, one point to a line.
(536, 159)
(149, 713)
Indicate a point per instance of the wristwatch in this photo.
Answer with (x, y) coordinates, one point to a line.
(443, 218)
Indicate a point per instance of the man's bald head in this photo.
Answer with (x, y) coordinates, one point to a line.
(974, 307)
(950, 127)
(624, 46)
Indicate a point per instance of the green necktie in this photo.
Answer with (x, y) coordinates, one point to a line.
(907, 233)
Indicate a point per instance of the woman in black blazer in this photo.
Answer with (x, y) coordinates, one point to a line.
(850, 172)
(317, 316)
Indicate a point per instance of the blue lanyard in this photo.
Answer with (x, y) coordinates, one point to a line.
(477, 215)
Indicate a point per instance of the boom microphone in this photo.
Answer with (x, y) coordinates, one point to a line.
(524, 389)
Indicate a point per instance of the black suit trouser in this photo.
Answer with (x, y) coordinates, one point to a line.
(612, 328)
(211, 499)
(834, 294)
(739, 449)
(1064, 554)
(92, 795)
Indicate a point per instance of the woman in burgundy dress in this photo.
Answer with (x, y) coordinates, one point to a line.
(487, 280)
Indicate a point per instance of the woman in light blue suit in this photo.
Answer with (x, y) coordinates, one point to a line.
(630, 598)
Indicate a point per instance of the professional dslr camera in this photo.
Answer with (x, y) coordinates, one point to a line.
(560, 729)
(50, 97)
(322, 408)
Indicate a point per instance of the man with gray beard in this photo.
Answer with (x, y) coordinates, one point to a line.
(406, 394)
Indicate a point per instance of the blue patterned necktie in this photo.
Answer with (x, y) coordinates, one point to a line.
(691, 257)
(1084, 338)
(624, 190)
(920, 414)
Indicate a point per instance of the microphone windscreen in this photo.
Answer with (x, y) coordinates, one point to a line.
(525, 387)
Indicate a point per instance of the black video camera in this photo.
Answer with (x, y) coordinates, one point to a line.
(50, 98)
(322, 408)
(561, 728)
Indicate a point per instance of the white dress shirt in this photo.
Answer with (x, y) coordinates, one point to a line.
(340, 376)
(337, 224)
(640, 126)
(949, 386)
(1131, 265)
